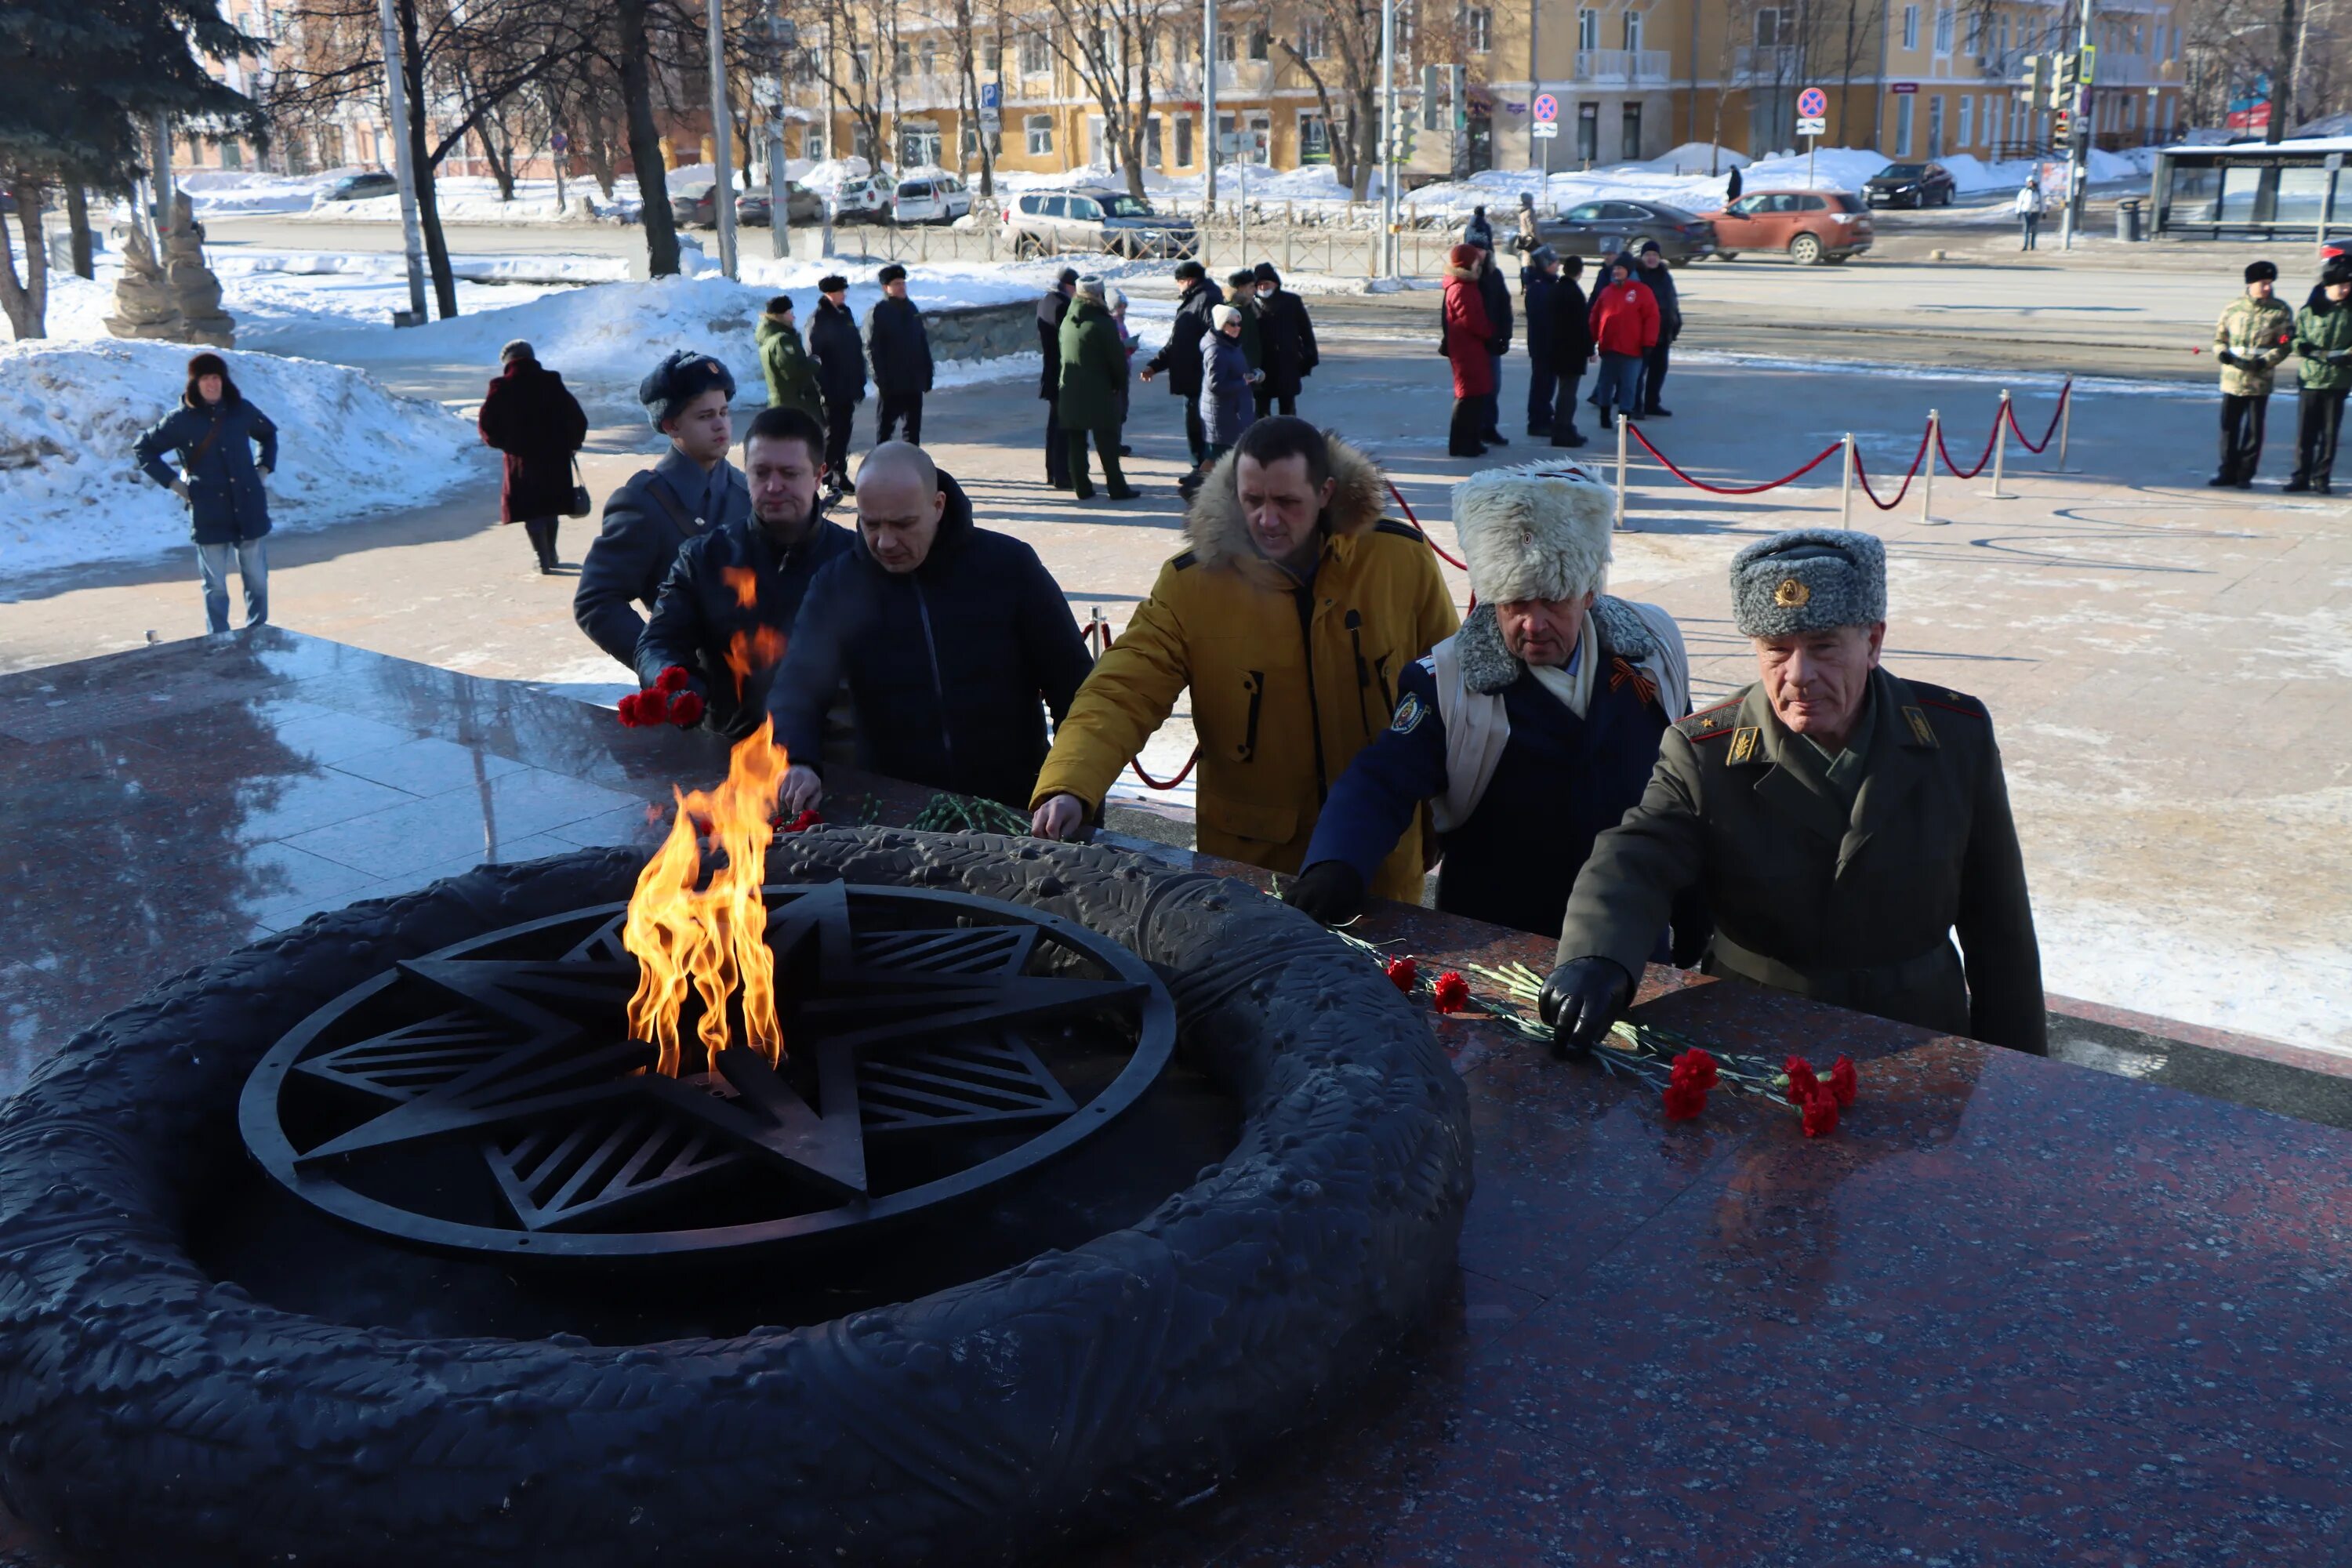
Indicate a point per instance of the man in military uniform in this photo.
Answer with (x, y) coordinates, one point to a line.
(1843, 822)
(2252, 336)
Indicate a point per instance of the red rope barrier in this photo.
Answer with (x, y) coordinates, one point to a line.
(1181, 774)
(1871, 496)
(1407, 508)
(1983, 458)
(1668, 464)
(2064, 393)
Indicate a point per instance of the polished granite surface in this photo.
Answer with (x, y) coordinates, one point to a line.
(2014, 1311)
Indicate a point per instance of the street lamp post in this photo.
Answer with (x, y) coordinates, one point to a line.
(1389, 240)
(395, 103)
(779, 37)
(723, 133)
(1209, 102)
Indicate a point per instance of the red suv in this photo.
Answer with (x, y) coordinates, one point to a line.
(1805, 226)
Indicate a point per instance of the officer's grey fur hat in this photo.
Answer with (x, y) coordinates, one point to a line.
(1540, 532)
(1809, 580)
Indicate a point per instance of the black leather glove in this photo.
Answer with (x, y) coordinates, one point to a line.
(2226, 357)
(1580, 1002)
(2339, 356)
(1330, 891)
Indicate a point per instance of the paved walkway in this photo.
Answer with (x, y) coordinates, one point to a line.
(2165, 662)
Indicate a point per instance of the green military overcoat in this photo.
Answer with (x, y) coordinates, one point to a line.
(1853, 909)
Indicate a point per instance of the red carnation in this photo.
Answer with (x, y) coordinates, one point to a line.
(684, 708)
(804, 822)
(638, 709)
(1403, 973)
(1685, 1100)
(1697, 1068)
(673, 681)
(1821, 1113)
(1802, 1082)
(1842, 1083)
(1451, 993)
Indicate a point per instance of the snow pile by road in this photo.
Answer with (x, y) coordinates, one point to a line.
(70, 413)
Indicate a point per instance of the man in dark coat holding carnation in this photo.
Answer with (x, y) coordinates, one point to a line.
(531, 416)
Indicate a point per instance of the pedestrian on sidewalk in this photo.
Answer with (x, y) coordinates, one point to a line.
(2027, 207)
(214, 432)
(1495, 294)
(1094, 368)
(1226, 407)
(1286, 339)
(529, 415)
(1128, 343)
(1478, 231)
(1731, 186)
(1179, 359)
(1659, 278)
(785, 364)
(693, 490)
(2323, 337)
(902, 351)
(840, 356)
(1050, 311)
(1624, 330)
(1538, 284)
(1528, 239)
(2254, 333)
(1571, 348)
(1463, 340)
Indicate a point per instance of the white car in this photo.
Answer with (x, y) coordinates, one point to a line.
(933, 198)
(862, 200)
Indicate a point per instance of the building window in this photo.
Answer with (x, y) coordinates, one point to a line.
(1630, 133)
(1478, 29)
(1261, 44)
(1910, 27)
(1936, 125)
(1995, 118)
(991, 56)
(1768, 30)
(1041, 135)
(1224, 46)
(1313, 37)
(1976, 32)
(1034, 60)
(1633, 31)
(1588, 31)
(931, 57)
(1314, 138)
(902, 61)
(1903, 125)
(1943, 30)
(1967, 117)
(1588, 133)
(1152, 142)
(1183, 141)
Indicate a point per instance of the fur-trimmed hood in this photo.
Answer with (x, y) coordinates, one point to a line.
(1217, 536)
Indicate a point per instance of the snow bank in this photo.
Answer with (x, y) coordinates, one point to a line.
(70, 413)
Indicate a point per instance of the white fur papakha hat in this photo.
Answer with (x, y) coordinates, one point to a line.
(1538, 531)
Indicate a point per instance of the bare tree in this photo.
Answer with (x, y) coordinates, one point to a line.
(1113, 48)
(1337, 47)
(853, 58)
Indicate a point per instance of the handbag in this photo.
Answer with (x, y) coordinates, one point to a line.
(579, 506)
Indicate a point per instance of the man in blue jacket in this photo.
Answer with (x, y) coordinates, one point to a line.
(1527, 732)
(212, 432)
(690, 492)
(953, 642)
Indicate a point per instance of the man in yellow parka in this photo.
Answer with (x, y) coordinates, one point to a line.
(1290, 617)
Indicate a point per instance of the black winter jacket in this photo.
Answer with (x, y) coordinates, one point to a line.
(1660, 281)
(900, 348)
(1179, 358)
(1287, 340)
(839, 353)
(225, 500)
(1535, 288)
(646, 522)
(1495, 295)
(946, 665)
(701, 620)
(1571, 327)
(1050, 311)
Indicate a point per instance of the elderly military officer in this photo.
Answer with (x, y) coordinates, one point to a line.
(1528, 732)
(1843, 822)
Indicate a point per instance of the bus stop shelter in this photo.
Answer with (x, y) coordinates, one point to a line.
(2263, 190)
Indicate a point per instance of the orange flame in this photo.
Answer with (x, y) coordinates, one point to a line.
(746, 583)
(712, 938)
(762, 648)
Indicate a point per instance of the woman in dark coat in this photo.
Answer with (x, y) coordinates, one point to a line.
(214, 432)
(1287, 341)
(1468, 335)
(531, 416)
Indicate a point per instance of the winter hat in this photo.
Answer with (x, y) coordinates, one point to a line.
(678, 381)
(894, 273)
(1069, 276)
(1526, 199)
(1809, 580)
(1241, 277)
(1116, 299)
(1188, 271)
(1544, 255)
(207, 364)
(2338, 270)
(519, 349)
(1536, 533)
(1266, 273)
(1090, 287)
(1650, 245)
(2260, 271)
(833, 283)
(1223, 314)
(781, 305)
(1464, 257)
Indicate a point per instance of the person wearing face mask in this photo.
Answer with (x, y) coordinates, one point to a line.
(726, 610)
(1844, 823)
(1527, 732)
(1291, 616)
(1286, 341)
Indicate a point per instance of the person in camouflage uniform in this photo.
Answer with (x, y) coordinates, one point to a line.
(2322, 337)
(784, 363)
(2252, 336)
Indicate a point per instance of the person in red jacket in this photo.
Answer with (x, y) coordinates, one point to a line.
(1624, 328)
(1465, 345)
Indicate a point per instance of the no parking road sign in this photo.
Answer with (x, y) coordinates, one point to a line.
(1813, 111)
(1547, 115)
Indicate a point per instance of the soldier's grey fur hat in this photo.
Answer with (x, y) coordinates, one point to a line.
(1809, 580)
(1540, 532)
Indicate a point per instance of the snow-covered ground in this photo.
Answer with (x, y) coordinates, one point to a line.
(71, 412)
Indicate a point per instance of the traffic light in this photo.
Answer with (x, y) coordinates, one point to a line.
(1458, 95)
(2034, 78)
(2069, 82)
(2058, 128)
(1432, 98)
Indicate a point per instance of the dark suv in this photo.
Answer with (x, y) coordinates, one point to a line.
(1606, 228)
(1910, 185)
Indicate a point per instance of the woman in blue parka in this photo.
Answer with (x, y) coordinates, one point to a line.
(212, 432)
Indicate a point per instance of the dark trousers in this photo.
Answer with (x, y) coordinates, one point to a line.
(1057, 449)
(2029, 223)
(2318, 415)
(1462, 437)
(1539, 389)
(541, 531)
(839, 414)
(1563, 420)
(1196, 433)
(2243, 419)
(1106, 446)
(895, 408)
(1653, 374)
(1493, 402)
(1266, 400)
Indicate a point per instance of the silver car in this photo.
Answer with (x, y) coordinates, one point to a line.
(1102, 218)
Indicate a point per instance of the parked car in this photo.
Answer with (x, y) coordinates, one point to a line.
(360, 187)
(691, 204)
(1605, 228)
(933, 198)
(1098, 218)
(1910, 185)
(866, 200)
(1807, 225)
(754, 209)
